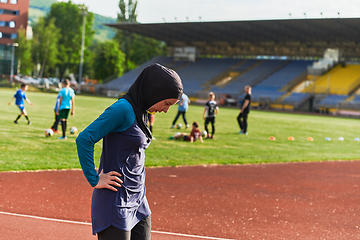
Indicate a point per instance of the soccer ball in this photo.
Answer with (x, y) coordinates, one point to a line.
(73, 130)
(178, 126)
(49, 132)
(203, 133)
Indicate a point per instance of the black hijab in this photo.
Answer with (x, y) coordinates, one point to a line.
(154, 84)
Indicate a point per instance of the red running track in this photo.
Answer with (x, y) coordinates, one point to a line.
(318, 200)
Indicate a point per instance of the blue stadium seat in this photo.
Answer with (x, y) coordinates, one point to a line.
(331, 100)
(295, 98)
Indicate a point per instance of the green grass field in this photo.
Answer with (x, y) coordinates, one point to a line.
(24, 147)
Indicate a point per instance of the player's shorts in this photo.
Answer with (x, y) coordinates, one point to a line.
(209, 120)
(186, 138)
(63, 114)
(21, 107)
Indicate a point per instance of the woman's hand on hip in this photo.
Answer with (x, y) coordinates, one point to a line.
(109, 180)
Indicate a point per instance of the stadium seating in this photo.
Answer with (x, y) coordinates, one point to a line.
(269, 94)
(268, 78)
(176, 65)
(269, 88)
(356, 99)
(195, 75)
(331, 101)
(285, 75)
(251, 77)
(123, 83)
(296, 98)
(245, 65)
(340, 80)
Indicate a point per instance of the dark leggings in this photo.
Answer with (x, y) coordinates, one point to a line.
(178, 115)
(242, 120)
(212, 121)
(141, 231)
(56, 123)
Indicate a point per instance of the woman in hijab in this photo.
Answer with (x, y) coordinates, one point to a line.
(119, 208)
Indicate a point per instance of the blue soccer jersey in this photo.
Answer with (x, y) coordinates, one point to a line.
(185, 103)
(66, 93)
(19, 96)
(56, 108)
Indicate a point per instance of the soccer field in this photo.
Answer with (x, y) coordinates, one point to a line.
(25, 147)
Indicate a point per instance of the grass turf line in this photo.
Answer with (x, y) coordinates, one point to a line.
(24, 147)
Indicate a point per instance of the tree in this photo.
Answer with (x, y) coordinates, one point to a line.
(138, 49)
(127, 14)
(108, 60)
(45, 41)
(23, 52)
(145, 48)
(69, 21)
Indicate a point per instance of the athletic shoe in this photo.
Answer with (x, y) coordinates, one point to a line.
(244, 133)
(55, 131)
(172, 126)
(187, 125)
(172, 137)
(29, 123)
(62, 138)
(15, 122)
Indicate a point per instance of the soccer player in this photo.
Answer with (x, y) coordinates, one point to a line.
(194, 134)
(67, 101)
(244, 112)
(151, 119)
(211, 109)
(183, 107)
(57, 120)
(19, 96)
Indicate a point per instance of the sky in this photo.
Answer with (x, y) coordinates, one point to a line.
(157, 11)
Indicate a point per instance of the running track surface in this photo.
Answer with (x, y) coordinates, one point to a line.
(318, 200)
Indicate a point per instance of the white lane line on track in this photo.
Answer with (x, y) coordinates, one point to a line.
(43, 218)
(89, 224)
(187, 235)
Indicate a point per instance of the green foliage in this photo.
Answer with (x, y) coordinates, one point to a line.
(23, 53)
(24, 147)
(102, 32)
(45, 45)
(138, 49)
(127, 11)
(109, 60)
(145, 48)
(39, 8)
(42, 4)
(69, 21)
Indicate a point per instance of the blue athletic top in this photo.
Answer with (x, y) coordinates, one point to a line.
(19, 96)
(185, 100)
(124, 145)
(56, 108)
(66, 93)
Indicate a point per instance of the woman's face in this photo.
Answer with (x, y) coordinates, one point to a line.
(162, 106)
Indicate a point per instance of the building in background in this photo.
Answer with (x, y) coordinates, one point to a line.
(13, 14)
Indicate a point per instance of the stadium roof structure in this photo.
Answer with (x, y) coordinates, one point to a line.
(293, 37)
